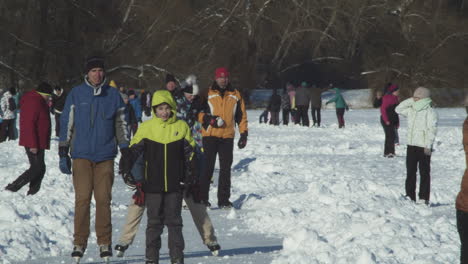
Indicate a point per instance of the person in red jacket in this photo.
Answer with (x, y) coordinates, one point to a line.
(35, 129)
(389, 119)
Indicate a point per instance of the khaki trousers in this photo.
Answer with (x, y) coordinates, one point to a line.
(93, 178)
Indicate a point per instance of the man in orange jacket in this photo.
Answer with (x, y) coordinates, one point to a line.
(224, 108)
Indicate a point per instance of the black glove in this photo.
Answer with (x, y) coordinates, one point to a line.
(242, 140)
(65, 161)
(129, 180)
(125, 165)
(139, 195)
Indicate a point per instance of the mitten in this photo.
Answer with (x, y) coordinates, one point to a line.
(139, 195)
(65, 161)
(242, 140)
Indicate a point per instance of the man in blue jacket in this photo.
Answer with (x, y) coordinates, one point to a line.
(92, 125)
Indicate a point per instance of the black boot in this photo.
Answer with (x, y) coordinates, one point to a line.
(177, 260)
(17, 184)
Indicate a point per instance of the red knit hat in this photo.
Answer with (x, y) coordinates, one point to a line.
(221, 72)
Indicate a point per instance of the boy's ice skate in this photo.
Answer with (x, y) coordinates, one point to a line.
(77, 254)
(105, 252)
(121, 250)
(214, 248)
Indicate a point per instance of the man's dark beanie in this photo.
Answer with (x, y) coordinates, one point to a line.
(94, 62)
(170, 78)
(45, 88)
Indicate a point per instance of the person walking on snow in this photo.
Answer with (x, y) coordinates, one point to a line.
(389, 119)
(461, 203)
(340, 105)
(422, 127)
(224, 109)
(285, 106)
(291, 90)
(34, 137)
(275, 106)
(58, 103)
(8, 109)
(302, 103)
(92, 125)
(316, 104)
(167, 148)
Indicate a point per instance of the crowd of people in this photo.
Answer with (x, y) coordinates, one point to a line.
(295, 101)
(169, 143)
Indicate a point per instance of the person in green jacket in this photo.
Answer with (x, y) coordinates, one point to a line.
(340, 105)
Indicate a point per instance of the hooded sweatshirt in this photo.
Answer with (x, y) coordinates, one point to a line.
(422, 121)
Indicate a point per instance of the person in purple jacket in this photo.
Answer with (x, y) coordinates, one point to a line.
(389, 119)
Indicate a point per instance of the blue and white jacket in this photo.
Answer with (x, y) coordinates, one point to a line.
(93, 122)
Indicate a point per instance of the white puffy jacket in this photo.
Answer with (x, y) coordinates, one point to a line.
(6, 112)
(422, 121)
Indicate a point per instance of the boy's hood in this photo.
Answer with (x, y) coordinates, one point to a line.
(161, 97)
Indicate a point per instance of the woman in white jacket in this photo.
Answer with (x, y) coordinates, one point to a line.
(422, 127)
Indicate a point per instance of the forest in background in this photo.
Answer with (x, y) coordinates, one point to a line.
(264, 43)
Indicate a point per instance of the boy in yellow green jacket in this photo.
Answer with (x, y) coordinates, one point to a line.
(167, 147)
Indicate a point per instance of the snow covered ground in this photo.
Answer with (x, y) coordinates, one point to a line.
(303, 195)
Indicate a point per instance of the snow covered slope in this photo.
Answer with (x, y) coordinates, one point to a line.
(303, 195)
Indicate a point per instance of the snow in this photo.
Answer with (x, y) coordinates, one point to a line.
(302, 195)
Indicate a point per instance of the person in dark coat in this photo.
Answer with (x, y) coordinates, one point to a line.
(58, 103)
(302, 103)
(35, 130)
(275, 106)
(316, 104)
(285, 106)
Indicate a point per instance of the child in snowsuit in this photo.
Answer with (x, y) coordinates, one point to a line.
(422, 126)
(389, 120)
(340, 105)
(167, 146)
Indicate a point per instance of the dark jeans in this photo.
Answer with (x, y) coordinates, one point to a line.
(462, 226)
(389, 130)
(224, 147)
(7, 129)
(274, 118)
(164, 209)
(340, 116)
(316, 115)
(415, 158)
(57, 124)
(302, 115)
(33, 175)
(286, 116)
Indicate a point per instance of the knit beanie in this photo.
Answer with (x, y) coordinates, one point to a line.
(44, 88)
(170, 78)
(94, 62)
(422, 92)
(221, 72)
(392, 88)
(131, 92)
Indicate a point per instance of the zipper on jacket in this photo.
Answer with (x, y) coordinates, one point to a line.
(165, 167)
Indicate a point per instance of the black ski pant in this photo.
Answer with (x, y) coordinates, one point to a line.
(263, 117)
(302, 115)
(389, 130)
(286, 116)
(223, 147)
(462, 226)
(274, 118)
(34, 174)
(415, 158)
(7, 129)
(164, 209)
(316, 115)
(340, 117)
(57, 124)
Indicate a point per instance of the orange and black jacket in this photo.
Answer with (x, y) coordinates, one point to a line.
(167, 147)
(229, 105)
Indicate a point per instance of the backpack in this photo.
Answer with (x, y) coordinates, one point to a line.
(11, 104)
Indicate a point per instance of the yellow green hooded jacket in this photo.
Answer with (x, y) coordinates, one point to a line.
(166, 147)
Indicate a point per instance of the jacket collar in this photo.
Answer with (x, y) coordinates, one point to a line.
(215, 87)
(96, 89)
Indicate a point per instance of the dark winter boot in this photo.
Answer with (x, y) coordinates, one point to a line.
(151, 262)
(105, 251)
(78, 251)
(214, 247)
(121, 250)
(225, 205)
(177, 260)
(17, 184)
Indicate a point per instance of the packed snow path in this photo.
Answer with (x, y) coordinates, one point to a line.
(303, 195)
